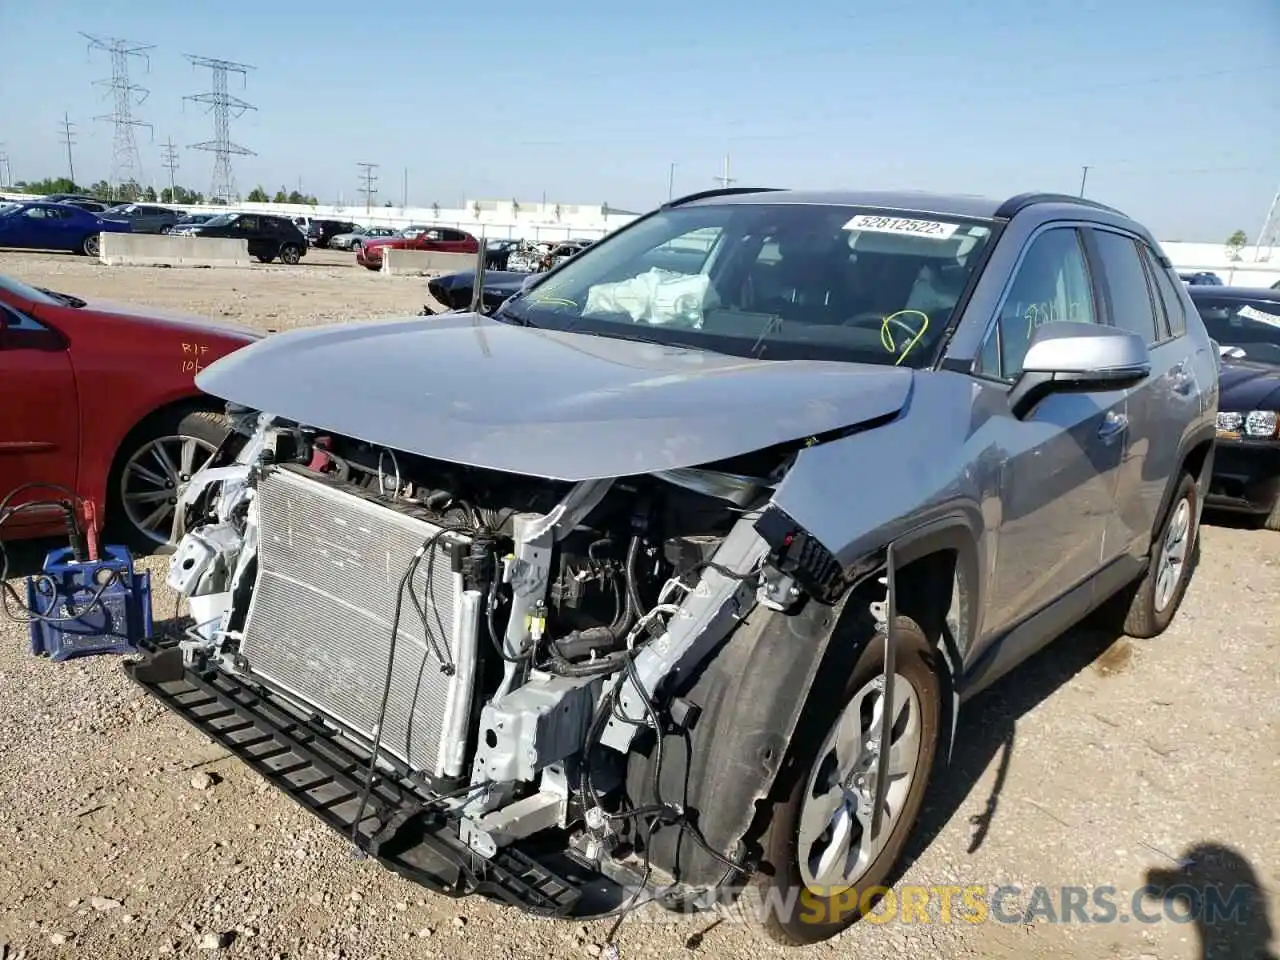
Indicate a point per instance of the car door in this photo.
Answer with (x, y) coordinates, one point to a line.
(39, 411)
(250, 229)
(1164, 406)
(1058, 471)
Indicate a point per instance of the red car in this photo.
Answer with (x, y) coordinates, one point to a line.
(101, 398)
(436, 239)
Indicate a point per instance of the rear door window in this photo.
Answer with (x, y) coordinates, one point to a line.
(1131, 303)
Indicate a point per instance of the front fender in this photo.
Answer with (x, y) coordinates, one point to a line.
(752, 694)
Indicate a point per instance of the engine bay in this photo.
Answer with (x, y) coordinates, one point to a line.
(499, 640)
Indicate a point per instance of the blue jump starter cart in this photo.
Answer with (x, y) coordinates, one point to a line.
(67, 622)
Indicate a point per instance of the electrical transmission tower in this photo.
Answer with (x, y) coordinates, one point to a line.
(126, 163)
(169, 160)
(724, 179)
(224, 107)
(67, 136)
(1270, 234)
(369, 175)
(6, 174)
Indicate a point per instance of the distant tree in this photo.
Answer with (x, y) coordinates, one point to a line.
(515, 207)
(475, 208)
(557, 211)
(281, 196)
(435, 210)
(101, 190)
(1235, 243)
(149, 195)
(258, 195)
(386, 203)
(604, 209)
(179, 194)
(49, 185)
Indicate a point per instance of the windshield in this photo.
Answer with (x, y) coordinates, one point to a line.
(19, 289)
(1252, 325)
(221, 220)
(776, 281)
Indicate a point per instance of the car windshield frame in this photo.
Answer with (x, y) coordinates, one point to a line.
(19, 289)
(900, 251)
(1235, 306)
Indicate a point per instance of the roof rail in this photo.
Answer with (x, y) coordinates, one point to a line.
(1015, 205)
(718, 192)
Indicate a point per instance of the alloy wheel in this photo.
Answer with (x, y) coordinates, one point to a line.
(153, 477)
(835, 843)
(1173, 554)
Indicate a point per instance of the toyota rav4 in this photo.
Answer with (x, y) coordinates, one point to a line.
(665, 578)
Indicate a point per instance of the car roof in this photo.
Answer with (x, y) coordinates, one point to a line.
(908, 201)
(1234, 293)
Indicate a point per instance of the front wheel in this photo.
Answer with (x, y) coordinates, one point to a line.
(166, 228)
(154, 462)
(819, 842)
(289, 254)
(91, 245)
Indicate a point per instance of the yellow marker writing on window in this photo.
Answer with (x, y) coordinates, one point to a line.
(886, 332)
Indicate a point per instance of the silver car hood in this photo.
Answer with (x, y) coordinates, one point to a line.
(566, 406)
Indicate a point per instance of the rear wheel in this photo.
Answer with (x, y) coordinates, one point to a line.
(91, 245)
(290, 254)
(153, 464)
(1155, 598)
(265, 258)
(819, 840)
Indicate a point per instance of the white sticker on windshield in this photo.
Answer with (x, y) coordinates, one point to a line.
(933, 229)
(1252, 313)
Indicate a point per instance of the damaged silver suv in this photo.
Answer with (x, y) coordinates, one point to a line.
(665, 579)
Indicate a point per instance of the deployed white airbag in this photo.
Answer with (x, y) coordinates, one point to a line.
(657, 296)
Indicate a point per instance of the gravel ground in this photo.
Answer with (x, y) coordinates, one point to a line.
(124, 833)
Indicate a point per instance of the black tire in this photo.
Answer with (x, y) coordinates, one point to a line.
(207, 428)
(166, 228)
(1136, 611)
(91, 245)
(373, 266)
(290, 254)
(818, 914)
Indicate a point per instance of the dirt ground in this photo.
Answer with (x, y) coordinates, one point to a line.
(1101, 763)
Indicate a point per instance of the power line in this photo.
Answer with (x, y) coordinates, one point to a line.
(369, 176)
(66, 136)
(126, 163)
(224, 108)
(822, 126)
(169, 160)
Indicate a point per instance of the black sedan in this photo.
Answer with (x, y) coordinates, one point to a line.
(1246, 467)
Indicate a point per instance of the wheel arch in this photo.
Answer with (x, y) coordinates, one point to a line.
(181, 406)
(755, 693)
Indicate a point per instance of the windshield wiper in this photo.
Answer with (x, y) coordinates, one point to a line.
(64, 298)
(505, 314)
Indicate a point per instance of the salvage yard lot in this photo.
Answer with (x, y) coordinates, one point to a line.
(123, 833)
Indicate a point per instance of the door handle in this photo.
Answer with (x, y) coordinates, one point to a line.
(1113, 426)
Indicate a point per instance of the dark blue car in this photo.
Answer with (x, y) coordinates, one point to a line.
(39, 225)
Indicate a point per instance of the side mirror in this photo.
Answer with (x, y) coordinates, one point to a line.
(1067, 357)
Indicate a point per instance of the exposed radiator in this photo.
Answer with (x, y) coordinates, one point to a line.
(319, 624)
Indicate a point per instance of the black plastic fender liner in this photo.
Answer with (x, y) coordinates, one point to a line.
(751, 693)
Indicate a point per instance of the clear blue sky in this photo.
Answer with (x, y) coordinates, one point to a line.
(1173, 103)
